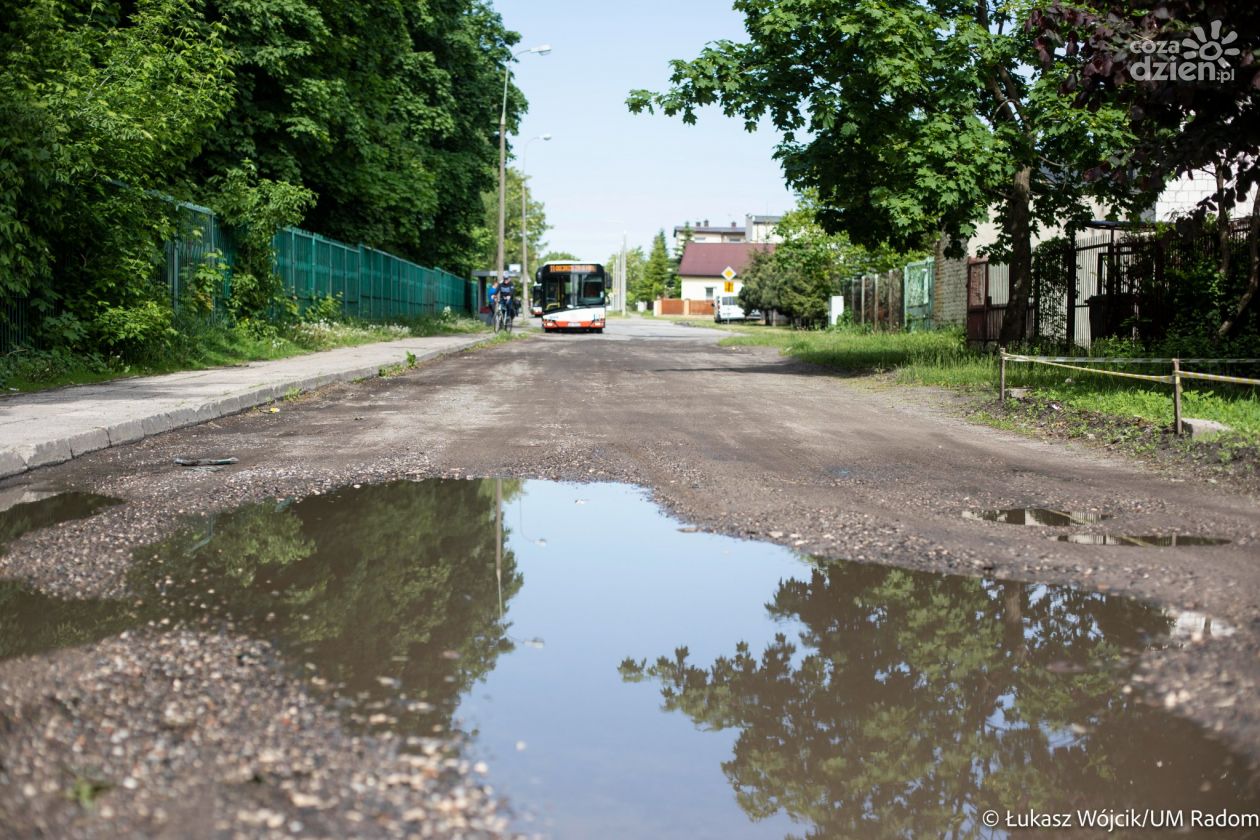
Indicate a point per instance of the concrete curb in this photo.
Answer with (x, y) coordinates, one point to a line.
(74, 439)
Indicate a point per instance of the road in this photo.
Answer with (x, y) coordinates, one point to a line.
(734, 440)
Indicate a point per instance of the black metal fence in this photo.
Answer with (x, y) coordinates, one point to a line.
(1111, 282)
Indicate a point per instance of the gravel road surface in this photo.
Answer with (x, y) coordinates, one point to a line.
(734, 440)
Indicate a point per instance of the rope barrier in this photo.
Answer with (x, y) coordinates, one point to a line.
(1212, 377)
(1175, 379)
(1144, 377)
(1015, 357)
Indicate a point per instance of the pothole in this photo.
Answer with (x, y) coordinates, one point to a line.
(623, 677)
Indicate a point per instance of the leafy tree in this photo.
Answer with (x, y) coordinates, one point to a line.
(801, 274)
(370, 122)
(761, 284)
(535, 221)
(659, 279)
(386, 111)
(909, 703)
(1179, 126)
(686, 236)
(636, 262)
(908, 118)
(256, 209)
(558, 256)
(104, 106)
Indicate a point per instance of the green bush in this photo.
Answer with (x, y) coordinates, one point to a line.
(206, 284)
(24, 367)
(135, 332)
(326, 309)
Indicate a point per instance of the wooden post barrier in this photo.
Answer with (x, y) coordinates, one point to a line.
(1176, 364)
(1002, 375)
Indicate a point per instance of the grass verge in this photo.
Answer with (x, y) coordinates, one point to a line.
(199, 345)
(942, 359)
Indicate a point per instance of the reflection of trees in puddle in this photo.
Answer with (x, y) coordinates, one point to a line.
(914, 702)
(31, 622)
(388, 590)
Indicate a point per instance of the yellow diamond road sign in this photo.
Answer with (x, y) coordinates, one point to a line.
(728, 273)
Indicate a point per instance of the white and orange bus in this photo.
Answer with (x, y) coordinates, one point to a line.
(571, 295)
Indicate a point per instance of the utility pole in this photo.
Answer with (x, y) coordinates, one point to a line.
(526, 284)
(624, 266)
(507, 74)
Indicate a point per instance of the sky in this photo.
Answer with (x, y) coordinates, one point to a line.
(607, 172)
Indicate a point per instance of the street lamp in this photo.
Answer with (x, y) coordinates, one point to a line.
(507, 72)
(525, 286)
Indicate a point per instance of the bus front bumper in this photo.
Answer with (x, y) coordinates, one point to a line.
(561, 324)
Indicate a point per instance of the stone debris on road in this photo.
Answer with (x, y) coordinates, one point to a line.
(195, 734)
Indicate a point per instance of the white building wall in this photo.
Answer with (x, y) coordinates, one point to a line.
(697, 288)
(987, 232)
(761, 231)
(1180, 197)
(1183, 195)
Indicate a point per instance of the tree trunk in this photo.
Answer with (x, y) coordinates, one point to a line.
(1015, 320)
(1253, 275)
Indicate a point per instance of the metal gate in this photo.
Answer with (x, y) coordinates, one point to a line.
(916, 288)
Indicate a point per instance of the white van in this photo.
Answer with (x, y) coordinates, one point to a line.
(726, 308)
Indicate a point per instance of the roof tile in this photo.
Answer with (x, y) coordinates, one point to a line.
(710, 259)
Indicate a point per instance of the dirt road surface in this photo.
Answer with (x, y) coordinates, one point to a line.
(734, 440)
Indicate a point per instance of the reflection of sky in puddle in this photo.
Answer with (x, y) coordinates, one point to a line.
(828, 699)
(617, 578)
(603, 759)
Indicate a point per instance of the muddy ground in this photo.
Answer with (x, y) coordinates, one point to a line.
(735, 440)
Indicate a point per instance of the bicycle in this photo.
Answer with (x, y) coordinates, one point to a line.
(503, 316)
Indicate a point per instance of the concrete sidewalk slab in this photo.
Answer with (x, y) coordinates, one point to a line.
(49, 427)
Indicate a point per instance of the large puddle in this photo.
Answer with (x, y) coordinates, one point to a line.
(622, 678)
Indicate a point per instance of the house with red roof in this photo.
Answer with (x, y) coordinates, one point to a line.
(710, 269)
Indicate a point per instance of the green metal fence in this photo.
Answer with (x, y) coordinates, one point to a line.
(15, 323)
(371, 284)
(199, 238)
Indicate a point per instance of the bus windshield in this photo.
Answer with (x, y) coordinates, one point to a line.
(571, 286)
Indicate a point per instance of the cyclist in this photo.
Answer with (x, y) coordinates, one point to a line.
(505, 290)
(503, 293)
